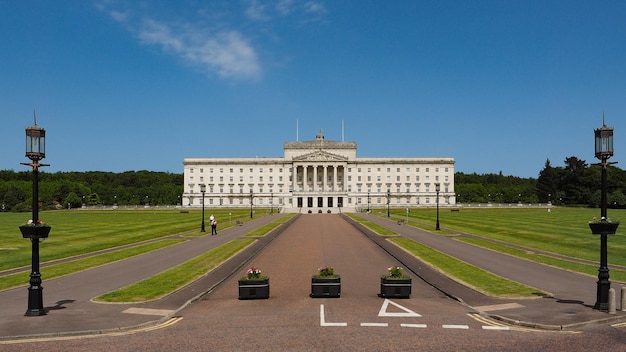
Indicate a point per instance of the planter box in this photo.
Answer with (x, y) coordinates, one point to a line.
(603, 228)
(395, 287)
(254, 289)
(34, 231)
(325, 287)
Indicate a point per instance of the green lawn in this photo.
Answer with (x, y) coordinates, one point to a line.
(79, 232)
(563, 231)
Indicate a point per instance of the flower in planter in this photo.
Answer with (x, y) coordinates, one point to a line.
(602, 220)
(395, 272)
(35, 223)
(326, 271)
(254, 273)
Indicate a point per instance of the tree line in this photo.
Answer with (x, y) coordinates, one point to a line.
(94, 188)
(574, 183)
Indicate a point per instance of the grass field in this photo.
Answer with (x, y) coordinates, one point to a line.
(562, 231)
(79, 232)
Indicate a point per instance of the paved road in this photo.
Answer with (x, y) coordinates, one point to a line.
(359, 320)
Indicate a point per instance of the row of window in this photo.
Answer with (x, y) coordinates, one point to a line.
(280, 170)
(320, 179)
(279, 201)
(398, 189)
(232, 170)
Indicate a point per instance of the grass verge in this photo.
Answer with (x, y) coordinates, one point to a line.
(471, 276)
(383, 231)
(589, 269)
(172, 279)
(61, 269)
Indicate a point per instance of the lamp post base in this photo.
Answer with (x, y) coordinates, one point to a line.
(35, 302)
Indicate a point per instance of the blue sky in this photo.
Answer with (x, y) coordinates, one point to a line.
(140, 85)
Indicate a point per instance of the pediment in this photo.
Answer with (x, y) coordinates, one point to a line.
(320, 156)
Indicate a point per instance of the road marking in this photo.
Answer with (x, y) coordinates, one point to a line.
(499, 307)
(491, 327)
(95, 334)
(463, 327)
(413, 325)
(375, 324)
(148, 311)
(323, 320)
(407, 312)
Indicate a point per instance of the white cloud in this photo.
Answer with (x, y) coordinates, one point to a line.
(256, 11)
(226, 53)
(314, 7)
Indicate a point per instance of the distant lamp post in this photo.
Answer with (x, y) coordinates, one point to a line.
(437, 189)
(368, 202)
(604, 227)
(251, 195)
(202, 190)
(388, 195)
(35, 229)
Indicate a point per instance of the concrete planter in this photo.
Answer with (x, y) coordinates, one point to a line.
(325, 287)
(254, 289)
(395, 287)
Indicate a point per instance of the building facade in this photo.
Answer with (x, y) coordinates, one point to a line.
(319, 175)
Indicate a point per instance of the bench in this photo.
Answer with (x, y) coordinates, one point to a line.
(454, 210)
(401, 222)
(239, 222)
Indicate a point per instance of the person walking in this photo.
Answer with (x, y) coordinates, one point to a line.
(213, 226)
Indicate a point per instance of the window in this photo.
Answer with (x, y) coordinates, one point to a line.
(191, 171)
(221, 170)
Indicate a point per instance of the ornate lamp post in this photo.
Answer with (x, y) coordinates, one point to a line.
(35, 229)
(603, 151)
(388, 195)
(368, 202)
(437, 189)
(202, 190)
(251, 195)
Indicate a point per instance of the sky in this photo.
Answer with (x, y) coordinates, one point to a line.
(500, 86)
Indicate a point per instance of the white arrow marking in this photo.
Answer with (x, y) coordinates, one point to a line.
(407, 312)
(323, 320)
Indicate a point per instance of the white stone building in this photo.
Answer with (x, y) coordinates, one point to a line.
(318, 175)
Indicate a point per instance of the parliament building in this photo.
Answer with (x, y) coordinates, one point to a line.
(318, 176)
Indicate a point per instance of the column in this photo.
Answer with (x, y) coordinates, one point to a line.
(294, 177)
(314, 178)
(335, 178)
(325, 187)
(304, 178)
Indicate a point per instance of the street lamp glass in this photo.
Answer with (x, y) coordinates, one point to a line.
(437, 187)
(202, 188)
(35, 142)
(604, 142)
